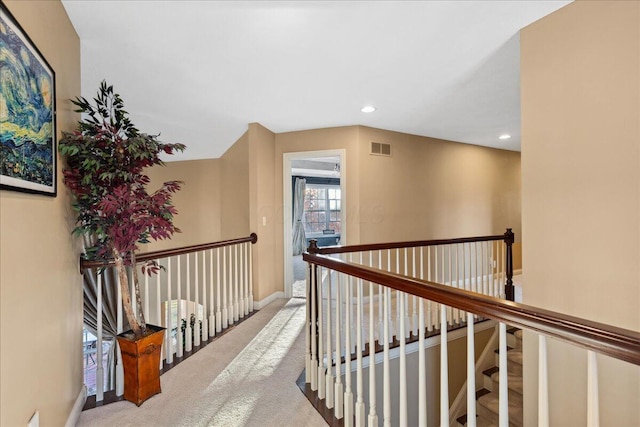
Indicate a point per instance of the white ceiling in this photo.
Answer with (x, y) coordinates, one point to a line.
(199, 71)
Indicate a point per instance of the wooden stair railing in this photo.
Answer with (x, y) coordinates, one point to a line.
(508, 238)
(331, 279)
(201, 292)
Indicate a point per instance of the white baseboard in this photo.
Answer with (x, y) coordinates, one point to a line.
(77, 407)
(517, 272)
(257, 305)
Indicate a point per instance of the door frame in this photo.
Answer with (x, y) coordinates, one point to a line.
(287, 194)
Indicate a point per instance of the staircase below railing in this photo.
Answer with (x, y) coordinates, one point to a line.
(364, 299)
(200, 292)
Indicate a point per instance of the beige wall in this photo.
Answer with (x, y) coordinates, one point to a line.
(40, 286)
(198, 202)
(234, 209)
(580, 83)
(314, 140)
(263, 214)
(428, 189)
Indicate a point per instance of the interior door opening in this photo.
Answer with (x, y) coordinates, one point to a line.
(314, 209)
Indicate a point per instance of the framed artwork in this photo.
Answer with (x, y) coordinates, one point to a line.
(27, 113)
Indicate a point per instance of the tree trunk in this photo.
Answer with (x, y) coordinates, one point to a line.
(126, 295)
(136, 289)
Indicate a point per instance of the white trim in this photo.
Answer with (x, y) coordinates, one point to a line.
(74, 415)
(268, 300)
(286, 199)
(517, 272)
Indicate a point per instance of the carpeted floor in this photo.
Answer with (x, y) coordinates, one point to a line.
(245, 378)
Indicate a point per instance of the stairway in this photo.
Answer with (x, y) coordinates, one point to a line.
(487, 397)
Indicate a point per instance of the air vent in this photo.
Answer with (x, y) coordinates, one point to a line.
(380, 149)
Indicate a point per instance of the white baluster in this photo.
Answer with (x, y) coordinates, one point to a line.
(543, 383)
(179, 346)
(230, 292)
(471, 373)
(158, 320)
(373, 417)
(188, 339)
(239, 310)
(414, 317)
(100, 368)
(593, 410)
(403, 361)
(503, 384)
(422, 375)
(339, 388)
(321, 370)
(429, 303)
(218, 300)
(119, 321)
(312, 285)
(236, 286)
(386, 380)
(212, 316)
(245, 263)
(197, 333)
(391, 325)
(225, 310)
(450, 313)
(380, 310)
(348, 393)
(407, 320)
(204, 335)
(476, 287)
(359, 410)
(396, 331)
(168, 339)
(146, 294)
(307, 331)
(250, 284)
(444, 369)
(329, 375)
(435, 279)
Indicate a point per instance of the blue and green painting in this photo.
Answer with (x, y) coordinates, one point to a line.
(26, 111)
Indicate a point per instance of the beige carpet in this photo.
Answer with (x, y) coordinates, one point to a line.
(245, 378)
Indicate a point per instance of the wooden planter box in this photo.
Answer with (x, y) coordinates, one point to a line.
(141, 362)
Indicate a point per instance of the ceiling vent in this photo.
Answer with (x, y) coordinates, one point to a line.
(380, 149)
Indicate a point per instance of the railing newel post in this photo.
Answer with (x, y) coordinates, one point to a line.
(509, 238)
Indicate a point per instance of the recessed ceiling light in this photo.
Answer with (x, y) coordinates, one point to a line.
(368, 109)
(504, 136)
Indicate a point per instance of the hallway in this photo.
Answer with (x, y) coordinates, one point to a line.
(245, 378)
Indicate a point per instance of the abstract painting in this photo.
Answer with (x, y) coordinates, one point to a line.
(27, 113)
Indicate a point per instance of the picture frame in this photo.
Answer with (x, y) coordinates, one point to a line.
(28, 146)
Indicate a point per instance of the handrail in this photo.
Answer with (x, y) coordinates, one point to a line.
(507, 236)
(623, 344)
(85, 263)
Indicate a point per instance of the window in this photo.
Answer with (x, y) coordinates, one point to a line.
(322, 209)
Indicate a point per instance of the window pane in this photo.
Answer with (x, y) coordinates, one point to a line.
(321, 205)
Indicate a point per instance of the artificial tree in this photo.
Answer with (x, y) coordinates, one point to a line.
(106, 157)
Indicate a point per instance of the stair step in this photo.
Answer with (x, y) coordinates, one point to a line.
(514, 338)
(488, 407)
(514, 361)
(514, 382)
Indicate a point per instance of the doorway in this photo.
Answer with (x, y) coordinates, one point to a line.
(324, 216)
